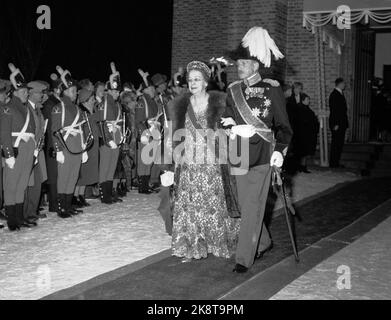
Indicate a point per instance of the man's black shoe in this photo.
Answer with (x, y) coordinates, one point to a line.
(31, 222)
(13, 228)
(260, 255)
(26, 225)
(240, 269)
(64, 215)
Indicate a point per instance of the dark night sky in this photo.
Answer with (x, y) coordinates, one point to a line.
(86, 36)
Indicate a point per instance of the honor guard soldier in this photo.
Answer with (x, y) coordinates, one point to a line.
(162, 98)
(67, 121)
(145, 114)
(18, 141)
(38, 174)
(89, 171)
(259, 105)
(50, 153)
(5, 88)
(110, 125)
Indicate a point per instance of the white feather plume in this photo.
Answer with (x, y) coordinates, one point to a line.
(261, 45)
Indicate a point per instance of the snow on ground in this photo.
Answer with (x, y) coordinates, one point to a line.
(61, 253)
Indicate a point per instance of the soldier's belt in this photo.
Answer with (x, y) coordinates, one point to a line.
(23, 136)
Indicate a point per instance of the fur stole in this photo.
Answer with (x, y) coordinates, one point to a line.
(177, 109)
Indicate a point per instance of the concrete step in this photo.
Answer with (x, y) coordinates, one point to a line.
(382, 164)
(361, 148)
(380, 173)
(386, 149)
(362, 156)
(385, 157)
(355, 164)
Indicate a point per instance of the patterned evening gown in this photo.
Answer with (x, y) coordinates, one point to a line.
(201, 223)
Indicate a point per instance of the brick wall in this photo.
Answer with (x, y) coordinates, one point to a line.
(206, 28)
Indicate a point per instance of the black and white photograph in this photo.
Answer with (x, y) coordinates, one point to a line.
(181, 151)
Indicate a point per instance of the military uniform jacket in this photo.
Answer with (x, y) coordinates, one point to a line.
(267, 102)
(146, 108)
(71, 111)
(12, 120)
(110, 111)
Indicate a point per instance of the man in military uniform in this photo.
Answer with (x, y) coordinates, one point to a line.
(38, 174)
(110, 124)
(146, 111)
(259, 104)
(18, 141)
(67, 141)
(5, 87)
(50, 154)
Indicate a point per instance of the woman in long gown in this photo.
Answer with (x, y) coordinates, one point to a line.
(204, 200)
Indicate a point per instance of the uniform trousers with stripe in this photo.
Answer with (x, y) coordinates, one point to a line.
(15, 181)
(253, 189)
(68, 172)
(108, 159)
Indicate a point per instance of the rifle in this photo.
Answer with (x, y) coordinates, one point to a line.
(279, 189)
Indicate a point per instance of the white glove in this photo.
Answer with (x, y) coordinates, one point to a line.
(277, 159)
(167, 179)
(228, 122)
(60, 157)
(10, 162)
(244, 131)
(144, 139)
(113, 145)
(84, 157)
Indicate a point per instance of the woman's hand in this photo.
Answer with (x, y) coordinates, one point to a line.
(167, 178)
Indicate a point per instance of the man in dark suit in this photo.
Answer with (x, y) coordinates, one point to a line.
(338, 122)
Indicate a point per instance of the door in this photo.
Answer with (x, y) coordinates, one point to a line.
(364, 70)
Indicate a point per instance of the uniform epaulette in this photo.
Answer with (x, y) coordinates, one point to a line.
(273, 83)
(234, 83)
